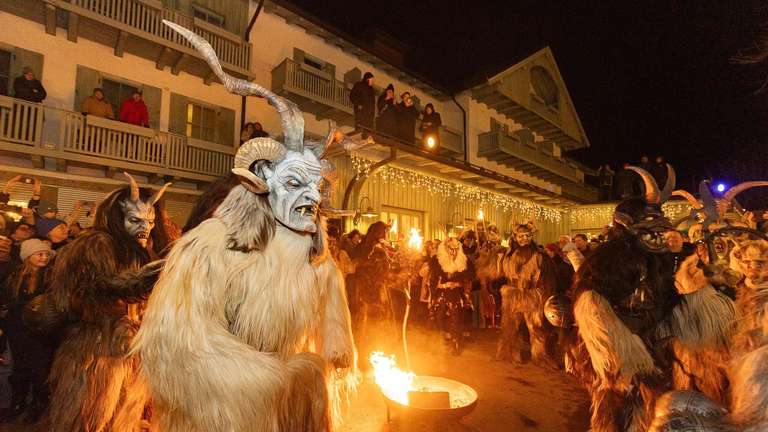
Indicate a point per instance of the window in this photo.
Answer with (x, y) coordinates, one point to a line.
(201, 122)
(5, 72)
(405, 219)
(208, 16)
(115, 92)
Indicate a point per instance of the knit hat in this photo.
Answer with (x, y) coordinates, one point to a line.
(44, 226)
(33, 246)
(367, 75)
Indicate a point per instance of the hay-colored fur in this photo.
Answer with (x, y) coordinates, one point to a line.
(239, 339)
(616, 353)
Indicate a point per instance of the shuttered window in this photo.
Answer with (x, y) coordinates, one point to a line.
(201, 121)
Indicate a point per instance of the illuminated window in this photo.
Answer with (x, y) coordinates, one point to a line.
(405, 219)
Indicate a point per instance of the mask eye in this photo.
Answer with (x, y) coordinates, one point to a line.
(293, 183)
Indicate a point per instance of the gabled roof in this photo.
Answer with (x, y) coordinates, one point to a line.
(533, 93)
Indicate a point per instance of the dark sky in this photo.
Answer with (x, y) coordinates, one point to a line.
(646, 76)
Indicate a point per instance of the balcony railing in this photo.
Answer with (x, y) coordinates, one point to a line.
(313, 84)
(65, 134)
(147, 15)
(499, 146)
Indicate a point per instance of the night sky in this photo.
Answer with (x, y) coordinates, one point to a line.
(654, 77)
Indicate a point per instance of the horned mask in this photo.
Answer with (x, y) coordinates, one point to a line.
(139, 214)
(294, 174)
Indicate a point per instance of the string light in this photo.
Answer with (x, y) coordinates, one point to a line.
(444, 188)
(601, 215)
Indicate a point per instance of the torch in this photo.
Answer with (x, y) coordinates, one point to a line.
(413, 252)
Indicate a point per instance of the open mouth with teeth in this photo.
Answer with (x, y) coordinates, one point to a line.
(142, 236)
(654, 241)
(307, 210)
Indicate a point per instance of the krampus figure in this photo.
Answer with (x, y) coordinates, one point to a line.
(96, 384)
(249, 315)
(531, 281)
(450, 278)
(623, 299)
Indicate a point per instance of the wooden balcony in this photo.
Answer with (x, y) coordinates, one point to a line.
(39, 132)
(518, 150)
(135, 26)
(314, 91)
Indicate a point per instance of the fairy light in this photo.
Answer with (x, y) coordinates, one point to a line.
(439, 187)
(601, 215)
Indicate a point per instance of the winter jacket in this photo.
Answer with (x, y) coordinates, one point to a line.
(406, 122)
(363, 100)
(29, 90)
(386, 122)
(430, 124)
(134, 112)
(98, 108)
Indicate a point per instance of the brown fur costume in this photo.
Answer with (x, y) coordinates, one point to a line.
(531, 281)
(96, 385)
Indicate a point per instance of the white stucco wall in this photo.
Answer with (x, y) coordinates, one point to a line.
(61, 58)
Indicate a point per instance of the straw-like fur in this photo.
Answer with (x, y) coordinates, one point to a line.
(616, 353)
(242, 327)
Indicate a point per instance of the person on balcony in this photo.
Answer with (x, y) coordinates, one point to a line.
(386, 122)
(406, 118)
(96, 105)
(134, 110)
(363, 100)
(430, 124)
(28, 88)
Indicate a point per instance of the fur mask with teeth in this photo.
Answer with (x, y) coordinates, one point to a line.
(290, 173)
(139, 214)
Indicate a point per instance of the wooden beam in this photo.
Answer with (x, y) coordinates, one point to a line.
(72, 26)
(426, 163)
(447, 170)
(111, 172)
(37, 161)
(161, 62)
(179, 63)
(50, 19)
(122, 37)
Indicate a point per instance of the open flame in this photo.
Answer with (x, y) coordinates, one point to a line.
(394, 382)
(414, 240)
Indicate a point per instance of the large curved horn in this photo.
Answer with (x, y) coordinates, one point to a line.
(669, 186)
(159, 194)
(255, 150)
(291, 116)
(689, 197)
(134, 187)
(652, 193)
(741, 187)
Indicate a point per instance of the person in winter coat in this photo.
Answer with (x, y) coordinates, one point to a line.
(386, 122)
(96, 105)
(134, 110)
(430, 124)
(32, 353)
(406, 118)
(28, 87)
(363, 99)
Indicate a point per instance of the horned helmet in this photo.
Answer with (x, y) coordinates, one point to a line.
(294, 174)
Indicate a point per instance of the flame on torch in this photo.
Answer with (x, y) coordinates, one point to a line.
(480, 215)
(394, 383)
(393, 229)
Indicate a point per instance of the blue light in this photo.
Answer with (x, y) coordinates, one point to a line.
(720, 187)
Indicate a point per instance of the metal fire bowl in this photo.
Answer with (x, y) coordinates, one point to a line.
(463, 399)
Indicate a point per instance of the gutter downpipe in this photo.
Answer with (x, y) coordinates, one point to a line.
(248, 39)
(464, 132)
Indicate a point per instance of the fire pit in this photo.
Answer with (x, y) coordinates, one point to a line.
(419, 396)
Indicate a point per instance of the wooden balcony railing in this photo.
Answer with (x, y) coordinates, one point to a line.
(498, 142)
(313, 84)
(147, 15)
(66, 134)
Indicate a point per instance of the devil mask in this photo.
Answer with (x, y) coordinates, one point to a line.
(140, 215)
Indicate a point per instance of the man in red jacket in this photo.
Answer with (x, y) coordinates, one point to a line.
(134, 111)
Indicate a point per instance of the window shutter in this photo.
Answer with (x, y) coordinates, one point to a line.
(225, 125)
(152, 97)
(178, 114)
(23, 58)
(298, 55)
(87, 79)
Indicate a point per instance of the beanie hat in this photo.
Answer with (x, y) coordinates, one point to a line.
(367, 75)
(33, 246)
(44, 226)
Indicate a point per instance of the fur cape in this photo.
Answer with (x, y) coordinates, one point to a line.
(243, 326)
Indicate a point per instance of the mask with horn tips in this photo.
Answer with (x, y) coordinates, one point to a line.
(642, 217)
(139, 213)
(289, 173)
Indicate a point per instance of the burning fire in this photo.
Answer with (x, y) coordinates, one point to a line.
(394, 383)
(414, 240)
